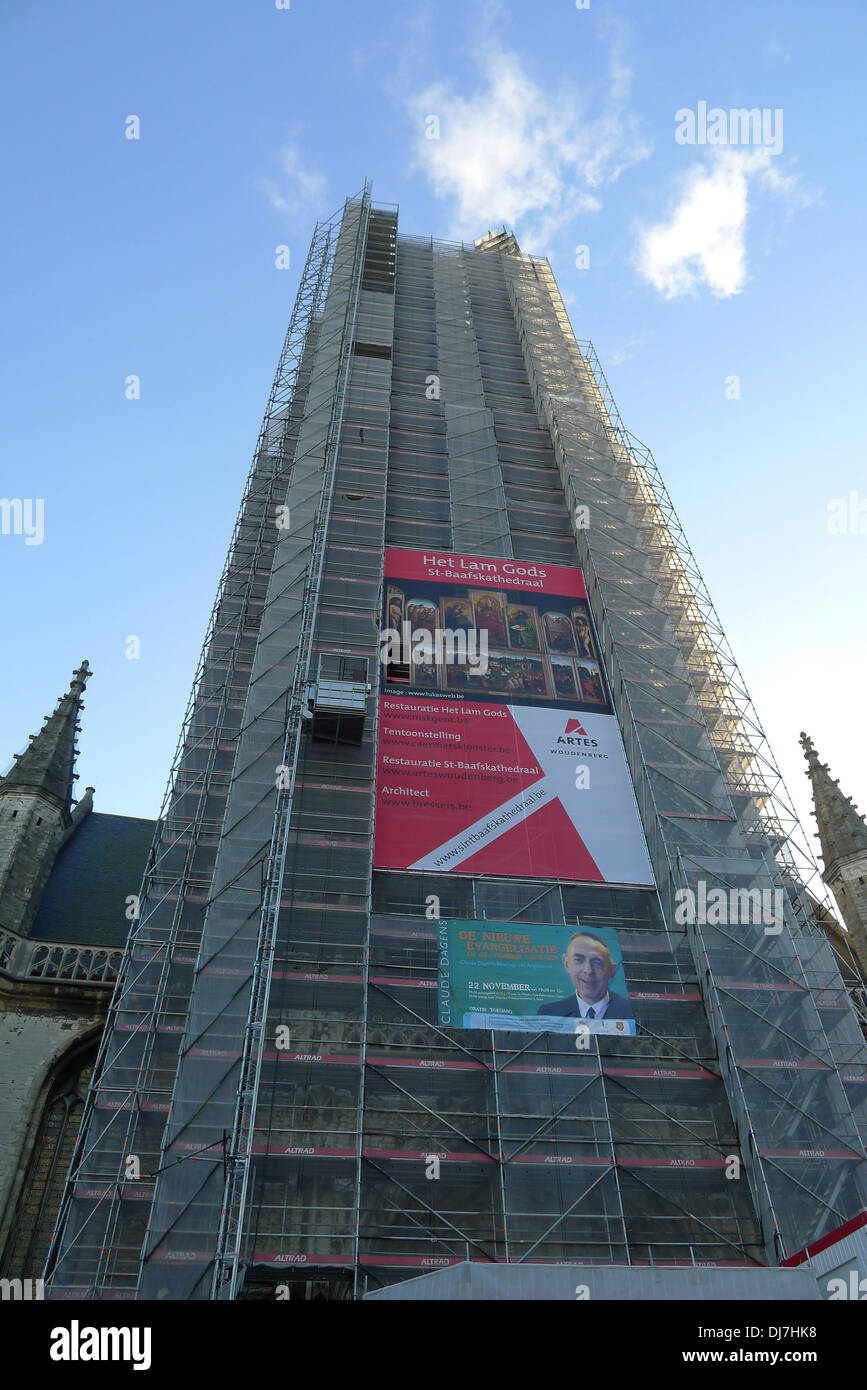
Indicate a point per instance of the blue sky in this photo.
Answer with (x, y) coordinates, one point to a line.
(156, 257)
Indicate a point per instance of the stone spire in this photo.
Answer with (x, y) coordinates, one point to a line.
(47, 764)
(36, 809)
(842, 830)
(843, 838)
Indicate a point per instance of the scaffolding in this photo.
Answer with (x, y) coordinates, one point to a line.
(330, 375)
(105, 1210)
(620, 1157)
(274, 1059)
(712, 800)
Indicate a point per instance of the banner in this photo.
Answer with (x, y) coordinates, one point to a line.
(498, 750)
(522, 977)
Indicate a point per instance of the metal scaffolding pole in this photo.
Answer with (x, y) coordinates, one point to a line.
(126, 1083)
(226, 1264)
(195, 1213)
(653, 588)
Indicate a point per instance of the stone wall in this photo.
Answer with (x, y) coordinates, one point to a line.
(39, 1027)
(31, 830)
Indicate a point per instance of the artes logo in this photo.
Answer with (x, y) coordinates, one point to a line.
(574, 726)
(576, 736)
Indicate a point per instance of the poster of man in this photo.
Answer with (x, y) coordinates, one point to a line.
(532, 977)
(591, 968)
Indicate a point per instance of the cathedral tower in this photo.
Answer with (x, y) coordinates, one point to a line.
(65, 875)
(36, 812)
(842, 834)
(339, 1050)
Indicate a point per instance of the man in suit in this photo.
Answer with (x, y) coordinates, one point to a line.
(589, 965)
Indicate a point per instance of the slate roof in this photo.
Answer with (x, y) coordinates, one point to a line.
(94, 873)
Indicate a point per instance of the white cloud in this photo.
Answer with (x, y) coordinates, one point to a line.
(703, 241)
(515, 154)
(775, 49)
(300, 191)
(618, 356)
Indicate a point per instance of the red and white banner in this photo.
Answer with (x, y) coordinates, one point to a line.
(520, 771)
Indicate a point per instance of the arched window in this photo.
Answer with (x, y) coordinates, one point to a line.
(39, 1199)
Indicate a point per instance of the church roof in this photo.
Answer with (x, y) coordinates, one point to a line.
(842, 829)
(47, 764)
(99, 867)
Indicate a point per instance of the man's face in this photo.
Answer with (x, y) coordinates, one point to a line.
(590, 968)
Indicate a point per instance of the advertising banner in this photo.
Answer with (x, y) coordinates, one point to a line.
(498, 750)
(524, 977)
